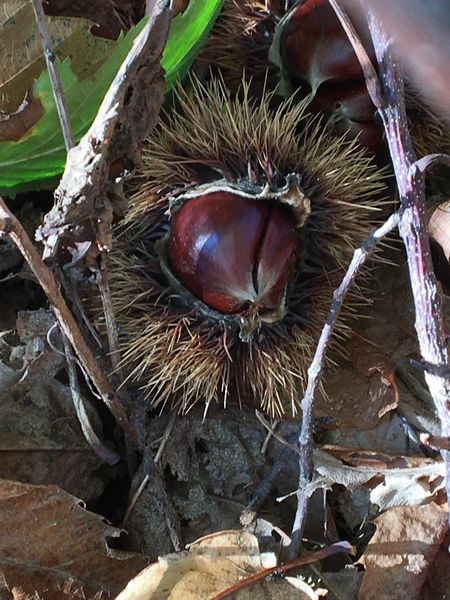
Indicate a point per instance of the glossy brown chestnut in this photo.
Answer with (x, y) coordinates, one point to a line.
(314, 47)
(233, 252)
(352, 113)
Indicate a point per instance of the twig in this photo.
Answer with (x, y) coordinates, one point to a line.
(78, 308)
(269, 435)
(165, 437)
(102, 451)
(110, 321)
(426, 162)
(273, 433)
(436, 442)
(53, 72)
(315, 371)
(413, 223)
(11, 226)
(135, 498)
(171, 516)
(307, 559)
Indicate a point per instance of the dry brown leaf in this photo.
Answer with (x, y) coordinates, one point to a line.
(22, 53)
(400, 554)
(15, 125)
(389, 487)
(41, 441)
(304, 587)
(52, 547)
(437, 585)
(109, 21)
(212, 564)
(439, 227)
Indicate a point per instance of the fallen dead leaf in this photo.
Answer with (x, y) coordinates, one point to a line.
(437, 585)
(21, 49)
(399, 556)
(439, 227)
(215, 566)
(109, 20)
(54, 549)
(389, 487)
(207, 492)
(41, 441)
(212, 564)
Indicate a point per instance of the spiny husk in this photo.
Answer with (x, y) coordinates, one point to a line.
(241, 40)
(180, 356)
(429, 131)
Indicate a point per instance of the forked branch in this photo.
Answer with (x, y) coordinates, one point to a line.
(306, 466)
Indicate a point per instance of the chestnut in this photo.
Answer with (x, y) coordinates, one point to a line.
(234, 253)
(351, 113)
(314, 47)
(311, 48)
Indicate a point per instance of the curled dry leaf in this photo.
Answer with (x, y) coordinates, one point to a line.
(212, 564)
(109, 20)
(53, 548)
(390, 486)
(210, 568)
(400, 554)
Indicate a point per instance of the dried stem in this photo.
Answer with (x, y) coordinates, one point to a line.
(11, 226)
(307, 559)
(135, 498)
(436, 442)
(413, 226)
(53, 72)
(315, 372)
(108, 311)
(102, 451)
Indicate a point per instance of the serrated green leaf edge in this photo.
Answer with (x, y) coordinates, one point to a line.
(37, 160)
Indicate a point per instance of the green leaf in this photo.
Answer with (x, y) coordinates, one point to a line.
(37, 159)
(187, 35)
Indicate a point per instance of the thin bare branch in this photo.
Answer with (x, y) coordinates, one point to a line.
(370, 74)
(436, 442)
(315, 372)
(53, 72)
(426, 162)
(12, 227)
(108, 311)
(307, 559)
